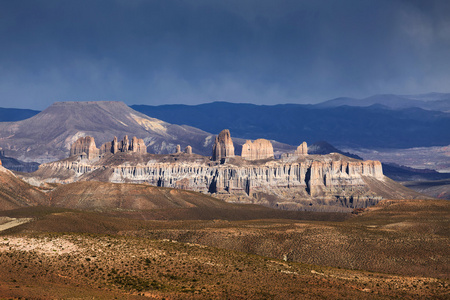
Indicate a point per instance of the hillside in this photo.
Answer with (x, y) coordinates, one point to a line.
(15, 193)
(47, 136)
(110, 196)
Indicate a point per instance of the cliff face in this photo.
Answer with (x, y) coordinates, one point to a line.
(85, 145)
(302, 149)
(328, 182)
(259, 149)
(223, 146)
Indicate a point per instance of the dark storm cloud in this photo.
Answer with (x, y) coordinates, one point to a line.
(267, 52)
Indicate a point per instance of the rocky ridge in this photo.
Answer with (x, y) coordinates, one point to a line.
(318, 183)
(296, 181)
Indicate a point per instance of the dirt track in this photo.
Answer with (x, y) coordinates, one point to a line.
(12, 222)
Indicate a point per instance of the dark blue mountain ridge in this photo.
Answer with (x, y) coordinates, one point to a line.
(371, 127)
(16, 114)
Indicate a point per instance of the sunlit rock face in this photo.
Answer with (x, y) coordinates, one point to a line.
(85, 146)
(223, 146)
(315, 182)
(302, 149)
(259, 149)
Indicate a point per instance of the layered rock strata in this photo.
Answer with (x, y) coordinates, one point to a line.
(223, 146)
(330, 182)
(259, 149)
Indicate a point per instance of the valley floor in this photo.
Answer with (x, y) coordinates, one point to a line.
(397, 249)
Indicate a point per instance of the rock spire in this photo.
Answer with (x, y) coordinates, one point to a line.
(85, 146)
(302, 149)
(223, 146)
(135, 145)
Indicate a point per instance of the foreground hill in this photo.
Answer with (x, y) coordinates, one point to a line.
(369, 127)
(15, 193)
(110, 196)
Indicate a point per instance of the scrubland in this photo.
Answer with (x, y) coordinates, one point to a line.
(397, 249)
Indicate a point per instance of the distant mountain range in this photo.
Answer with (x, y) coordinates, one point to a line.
(381, 121)
(431, 101)
(16, 114)
(368, 127)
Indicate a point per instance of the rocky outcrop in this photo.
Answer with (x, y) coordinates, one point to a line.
(86, 148)
(289, 185)
(178, 149)
(188, 150)
(302, 149)
(223, 146)
(137, 145)
(85, 145)
(259, 149)
(107, 148)
(329, 182)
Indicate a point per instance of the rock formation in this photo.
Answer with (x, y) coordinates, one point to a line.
(188, 150)
(302, 149)
(85, 145)
(135, 145)
(223, 146)
(178, 149)
(259, 149)
(322, 183)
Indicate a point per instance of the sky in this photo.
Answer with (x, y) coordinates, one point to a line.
(198, 51)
